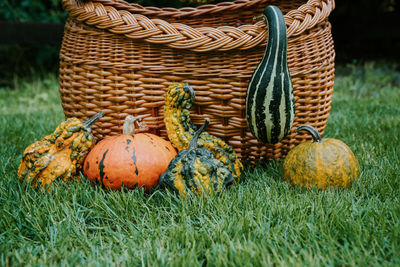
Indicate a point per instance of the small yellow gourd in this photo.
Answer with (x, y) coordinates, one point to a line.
(321, 163)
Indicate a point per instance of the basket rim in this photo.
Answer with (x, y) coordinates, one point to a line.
(130, 20)
(179, 12)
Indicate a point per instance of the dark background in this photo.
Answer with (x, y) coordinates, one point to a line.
(31, 32)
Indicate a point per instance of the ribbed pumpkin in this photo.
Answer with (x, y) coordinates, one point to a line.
(129, 159)
(321, 163)
(60, 155)
(196, 169)
(180, 129)
(270, 103)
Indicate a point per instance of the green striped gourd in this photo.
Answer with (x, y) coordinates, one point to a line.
(270, 100)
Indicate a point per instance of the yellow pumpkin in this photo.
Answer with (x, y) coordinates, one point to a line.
(321, 163)
(60, 155)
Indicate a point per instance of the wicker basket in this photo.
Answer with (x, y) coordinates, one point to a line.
(120, 58)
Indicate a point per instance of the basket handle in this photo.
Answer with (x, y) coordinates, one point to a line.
(117, 17)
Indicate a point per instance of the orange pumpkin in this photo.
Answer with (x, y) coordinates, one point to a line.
(129, 159)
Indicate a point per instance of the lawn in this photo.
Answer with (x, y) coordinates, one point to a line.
(262, 221)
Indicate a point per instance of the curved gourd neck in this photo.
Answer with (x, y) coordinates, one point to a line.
(276, 29)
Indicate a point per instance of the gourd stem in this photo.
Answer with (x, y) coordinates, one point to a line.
(193, 143)
(87, 124)
(129, 125)
(311, 130)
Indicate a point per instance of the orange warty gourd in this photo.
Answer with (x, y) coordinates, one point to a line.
(60, 155)
(129, 159)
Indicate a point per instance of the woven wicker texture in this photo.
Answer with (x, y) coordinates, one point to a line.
(120, 58)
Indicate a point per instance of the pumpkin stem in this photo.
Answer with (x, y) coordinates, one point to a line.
(311, 130)
(87, 124)
(193, 143)
(129, 125)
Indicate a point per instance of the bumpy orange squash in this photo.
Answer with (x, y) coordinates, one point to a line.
(321, 163)
(58, 156)
(129, 159)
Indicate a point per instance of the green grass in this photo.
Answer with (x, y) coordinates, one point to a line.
(263, 221)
